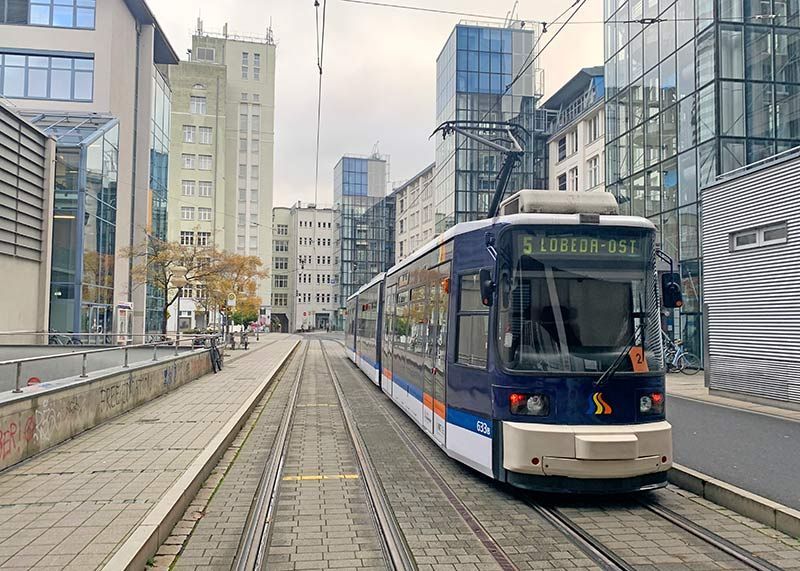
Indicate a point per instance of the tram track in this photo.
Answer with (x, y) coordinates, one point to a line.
(673, 524)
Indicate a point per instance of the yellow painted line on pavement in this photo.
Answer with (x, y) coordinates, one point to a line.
(320, 477)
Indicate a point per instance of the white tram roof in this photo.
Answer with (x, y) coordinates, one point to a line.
(568, 206)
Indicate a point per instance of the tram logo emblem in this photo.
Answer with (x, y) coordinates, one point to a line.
(599, 405)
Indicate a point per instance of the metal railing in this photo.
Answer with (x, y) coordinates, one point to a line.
(67, 338)
(207, 341)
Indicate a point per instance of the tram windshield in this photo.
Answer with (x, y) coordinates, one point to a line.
(571, 299)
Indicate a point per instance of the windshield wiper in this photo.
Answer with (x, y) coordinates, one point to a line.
(612, 369)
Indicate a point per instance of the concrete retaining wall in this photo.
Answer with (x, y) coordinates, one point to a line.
(35, 422)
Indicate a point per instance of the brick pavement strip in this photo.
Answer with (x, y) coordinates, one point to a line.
(77, 504)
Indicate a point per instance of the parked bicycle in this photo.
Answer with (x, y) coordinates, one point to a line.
(678, 359)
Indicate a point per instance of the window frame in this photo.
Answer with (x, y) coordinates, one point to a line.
(50, 71)
(759, 232)
(470, 313)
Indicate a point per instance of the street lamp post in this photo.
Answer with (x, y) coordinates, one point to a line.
(179, 281)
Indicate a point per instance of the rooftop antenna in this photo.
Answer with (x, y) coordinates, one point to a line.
(199, 26)
(512, 13)
(376, 153)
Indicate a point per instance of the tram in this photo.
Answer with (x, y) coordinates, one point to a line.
(528, 346)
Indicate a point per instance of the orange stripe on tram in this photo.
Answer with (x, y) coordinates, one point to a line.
(427, 400)
(387, 373)
(438, 408)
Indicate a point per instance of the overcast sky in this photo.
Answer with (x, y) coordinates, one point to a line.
(380, 74)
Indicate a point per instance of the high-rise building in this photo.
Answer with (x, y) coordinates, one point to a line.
(701, 88)
(92, 75)
(222, 145)
(473, 71)
(576, 145)
(414, 204)
(364, 222)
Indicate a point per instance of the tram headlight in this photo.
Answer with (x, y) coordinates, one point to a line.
(652, 403)
(529, 404)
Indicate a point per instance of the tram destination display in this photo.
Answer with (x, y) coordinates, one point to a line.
(540, 244)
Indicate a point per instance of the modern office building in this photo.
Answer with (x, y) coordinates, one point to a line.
(364, 222)
(705, 88)
(284, 269)
(27, 157)
(223, 131)
(473, 71)
(414, 204)
(91, 74)
(576, 146)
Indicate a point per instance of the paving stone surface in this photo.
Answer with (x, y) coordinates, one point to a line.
(72, 506)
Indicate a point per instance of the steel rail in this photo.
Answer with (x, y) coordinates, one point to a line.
(742, 555)
(593, 548)
(393, 543)
(494, 548)
(253, 543)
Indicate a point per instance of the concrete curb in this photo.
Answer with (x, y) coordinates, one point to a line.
(772, 514)
(154, 529)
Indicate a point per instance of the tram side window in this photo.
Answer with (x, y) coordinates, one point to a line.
(473, 323)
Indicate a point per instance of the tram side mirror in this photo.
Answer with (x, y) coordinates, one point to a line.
(671, 294)
(487, 287)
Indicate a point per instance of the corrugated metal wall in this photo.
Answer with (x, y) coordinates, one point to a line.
(753, 295)
(22, 196)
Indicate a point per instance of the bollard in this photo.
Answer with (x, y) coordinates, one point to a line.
(19, 378)
(125, 363)
(83, 366)
(176, 346)
(155, 352)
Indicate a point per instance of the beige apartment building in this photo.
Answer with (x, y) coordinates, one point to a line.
(220, 191)
(415, 224)
(577, 145)
(92, 76)
(305, 295)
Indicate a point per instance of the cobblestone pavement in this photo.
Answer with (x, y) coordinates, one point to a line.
(73, 505)
(645, 540)
(322, 519)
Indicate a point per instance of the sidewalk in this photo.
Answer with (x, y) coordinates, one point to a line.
(75, 505)
(692, 387)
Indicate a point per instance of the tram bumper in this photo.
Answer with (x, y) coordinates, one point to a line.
(587, 452)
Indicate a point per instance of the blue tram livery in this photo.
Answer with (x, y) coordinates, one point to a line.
(528, 346)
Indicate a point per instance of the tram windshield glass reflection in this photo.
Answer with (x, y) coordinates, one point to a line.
(572, 299)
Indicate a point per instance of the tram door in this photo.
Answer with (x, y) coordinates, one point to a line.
(427, 361)
(387, 360)
(442, 287)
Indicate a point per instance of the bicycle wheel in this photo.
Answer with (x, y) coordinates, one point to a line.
(689, 363)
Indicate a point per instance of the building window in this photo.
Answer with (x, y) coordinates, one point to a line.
(203, 238)
(280, 281)
(57, 14)
(573, 179)
(245, 60)
(197, 105)
(573, 142)
(283, 230)
(593, 172)
(281, 246)
(187, 238)
(188, 161)
(473, 323)
(187, 213)
(757, 237)
(187, 187)
(562, 148)
(562, 181)
(280, 299)
(204, 162)
(205, 135)
(189, 132)
(39, 76)
(205, 54)
(204, 214)
(281, 263)
(593, 128)
(205, 188)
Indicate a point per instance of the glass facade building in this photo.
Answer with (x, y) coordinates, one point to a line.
(473, 70)
(364, 220)
(84, 222)
(159, 181)
(707, 87)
